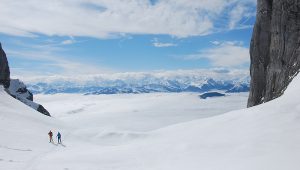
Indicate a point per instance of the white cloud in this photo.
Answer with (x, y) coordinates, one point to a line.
(238, 13)
(107, 18)
(225, 54)
(69, 41)
(50, 61)
(157, 43)
(215, 42)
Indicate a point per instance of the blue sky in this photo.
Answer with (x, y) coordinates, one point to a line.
(90, 37)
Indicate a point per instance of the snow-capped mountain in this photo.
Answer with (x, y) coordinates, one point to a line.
(171, 81)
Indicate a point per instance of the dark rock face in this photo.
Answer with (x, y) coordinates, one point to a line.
(4, 69)
(24, 90)
(42, 110)
(274, 50)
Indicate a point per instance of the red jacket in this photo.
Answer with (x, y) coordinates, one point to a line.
(50, 134)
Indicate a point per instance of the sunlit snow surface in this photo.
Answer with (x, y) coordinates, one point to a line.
(152, 132)
(114, 119)
(137, 112)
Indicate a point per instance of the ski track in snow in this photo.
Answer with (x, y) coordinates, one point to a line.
(33, 161)
(16, 149)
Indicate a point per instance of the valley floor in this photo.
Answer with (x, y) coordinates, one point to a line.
(136, 112)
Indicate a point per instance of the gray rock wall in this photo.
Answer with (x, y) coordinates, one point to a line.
(4, 69)
(15, 87)
(275, 49)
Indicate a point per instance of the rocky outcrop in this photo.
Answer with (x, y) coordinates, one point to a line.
(15, 87)
(274, 50)
(42, 110)
(4, 69)
(18, 90)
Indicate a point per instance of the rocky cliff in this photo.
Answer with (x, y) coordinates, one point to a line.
(274, 49)
(4, 69)
(19, 91)
(15, 87)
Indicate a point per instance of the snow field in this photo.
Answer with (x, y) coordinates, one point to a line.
(152, 132)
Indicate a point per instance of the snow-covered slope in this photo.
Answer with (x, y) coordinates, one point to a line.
(22, 131)
(260, 138)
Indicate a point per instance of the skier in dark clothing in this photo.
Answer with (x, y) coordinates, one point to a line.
(50, 136)
(58, 137)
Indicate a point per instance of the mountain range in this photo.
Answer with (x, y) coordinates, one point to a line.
(143, 83)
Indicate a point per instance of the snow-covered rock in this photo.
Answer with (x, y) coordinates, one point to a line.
(18, 90)
(239, 87)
